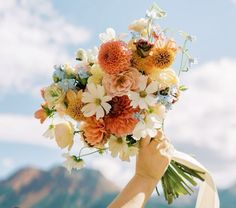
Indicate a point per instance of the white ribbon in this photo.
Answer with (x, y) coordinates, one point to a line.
(208, 195)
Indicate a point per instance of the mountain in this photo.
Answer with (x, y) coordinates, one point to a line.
(34, 188)
(87, 188)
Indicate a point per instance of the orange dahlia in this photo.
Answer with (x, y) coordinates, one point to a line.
(121, 121)
(94, 131)
(114, 56)
(74, 105)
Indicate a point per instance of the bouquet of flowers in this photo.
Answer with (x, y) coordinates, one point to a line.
(119, 93)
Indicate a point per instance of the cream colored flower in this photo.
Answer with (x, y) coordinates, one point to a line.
(54, 95)
(147, 127)
(49, 133)
(81, 54)
(139, 25)
(64, 135)
(118, 147)
(109, 35)
(159, 109)
(97, 74)
(145, 96)
(165, 78)
(72, 162)
(96, 101)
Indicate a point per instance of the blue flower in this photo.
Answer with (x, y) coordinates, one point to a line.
(83, 74)
(67, 84)
(58, 74)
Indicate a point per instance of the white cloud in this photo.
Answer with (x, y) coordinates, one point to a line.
(7, 162)
(205, 115)
(33, 37)
(23, 129)
(233, 1)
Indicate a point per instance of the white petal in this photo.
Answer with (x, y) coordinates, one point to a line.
(92, 89)
(106, 106)
(142, 82)
(99, 112)
(89, 109)
(100, 91)
(87, 97)
(143, 104)
(150, 100)
(152, 87)
(106, 98)
(133, 95)
(111, 32)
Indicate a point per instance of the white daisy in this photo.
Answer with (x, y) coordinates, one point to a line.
(72, 162)
(96, 101)
(144, 97)
(147, 127)
(110, 34)
(119, 146)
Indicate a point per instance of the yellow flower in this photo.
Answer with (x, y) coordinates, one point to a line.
(54, 95)
(97, 75)
(74, 105)
(162, 57)
(64, 134)
(165, 78)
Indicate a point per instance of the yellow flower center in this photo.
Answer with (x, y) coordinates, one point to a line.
(119, 140)
(97, 101)
(142, 94)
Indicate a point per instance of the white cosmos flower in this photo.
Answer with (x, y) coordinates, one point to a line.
(147, 127)
(50, 132)
(72, 162)
(144, 97)
(110, 34)
(118, 146)
(96, 101)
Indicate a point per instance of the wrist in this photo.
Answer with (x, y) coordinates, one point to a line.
(147, 178)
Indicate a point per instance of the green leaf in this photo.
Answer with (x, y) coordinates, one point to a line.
(182, 88)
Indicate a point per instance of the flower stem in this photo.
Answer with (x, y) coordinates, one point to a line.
(182, 57)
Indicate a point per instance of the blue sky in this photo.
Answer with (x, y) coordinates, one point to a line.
(35, 35)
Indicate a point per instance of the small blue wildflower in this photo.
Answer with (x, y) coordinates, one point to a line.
(83, 74)
(58, 74)
(67, 84)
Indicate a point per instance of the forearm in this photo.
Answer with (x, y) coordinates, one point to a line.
(136, 193)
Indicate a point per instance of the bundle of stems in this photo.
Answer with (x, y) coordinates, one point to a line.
(177, 181)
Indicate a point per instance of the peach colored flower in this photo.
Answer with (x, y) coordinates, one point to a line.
(120, 84)
(41, 113)
(64, 134)
(114, 57)
(94, 131)
(121, 121)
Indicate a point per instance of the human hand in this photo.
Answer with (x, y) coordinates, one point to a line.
(153, 158)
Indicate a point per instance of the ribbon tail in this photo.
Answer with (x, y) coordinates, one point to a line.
(208, 195)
